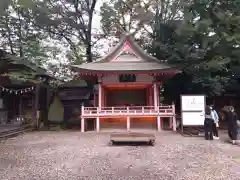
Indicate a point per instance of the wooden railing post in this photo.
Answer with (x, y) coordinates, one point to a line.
(159, 126)
(155, 95)
(82, 110)
(161, 110)
(174, 123)
(100, 93)
(98, 109)
(82, 124)
(98, 124)
(82, 119)
(128, 123)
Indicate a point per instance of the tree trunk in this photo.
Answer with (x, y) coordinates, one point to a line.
(89, 32)
(19, 27)
(89, 40)
(89, 52)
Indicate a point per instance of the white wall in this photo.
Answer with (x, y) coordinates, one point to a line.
(141, 78)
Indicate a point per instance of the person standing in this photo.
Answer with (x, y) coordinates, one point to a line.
(232, 125)
(215, 123)
(208, 124)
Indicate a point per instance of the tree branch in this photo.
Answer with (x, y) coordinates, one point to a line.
(9, 36)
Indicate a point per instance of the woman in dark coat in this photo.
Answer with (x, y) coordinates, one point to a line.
(232, 125)
(208, 123)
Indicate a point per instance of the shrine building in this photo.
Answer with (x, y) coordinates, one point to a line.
(127, 85)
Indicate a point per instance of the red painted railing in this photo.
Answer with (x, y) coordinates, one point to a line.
(168, 110)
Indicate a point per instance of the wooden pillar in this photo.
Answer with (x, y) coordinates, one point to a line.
(33, 114)
(36, 105)
(159, 126)
(48, 96)
(157, 89)
(1, 100)
(98, 124)
(20, 107)
(174, 123)
(104, 97)
(147, 96)
(160, 88)
(94, 100)
(155, 94)
(128, 123)
(100, 95)
(150, 96)
(170, 122)
(82, 124)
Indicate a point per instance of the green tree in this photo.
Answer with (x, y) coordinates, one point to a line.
(67, 21)
(138, 16)
(200, 37)
(206, 46)
(22, 38)
(18, 34)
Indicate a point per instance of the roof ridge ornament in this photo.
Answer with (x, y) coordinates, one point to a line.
(127, 50)
(127, 53)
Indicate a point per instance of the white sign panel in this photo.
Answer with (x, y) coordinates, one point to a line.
(193, 103)
(193, 118)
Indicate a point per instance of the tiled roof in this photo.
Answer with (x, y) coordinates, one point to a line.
(122, 66)
(127, 55)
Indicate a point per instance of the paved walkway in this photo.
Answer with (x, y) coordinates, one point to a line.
(75, 156)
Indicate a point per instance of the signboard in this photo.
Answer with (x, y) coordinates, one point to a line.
(193, 109)
(193, 103)
(192, 118)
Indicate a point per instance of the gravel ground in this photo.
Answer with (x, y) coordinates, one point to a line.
(75, 155)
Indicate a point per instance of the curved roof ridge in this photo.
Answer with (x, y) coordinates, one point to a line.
(138, 50)
(116, 48)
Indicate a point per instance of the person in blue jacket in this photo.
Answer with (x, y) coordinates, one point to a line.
(215, 122)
